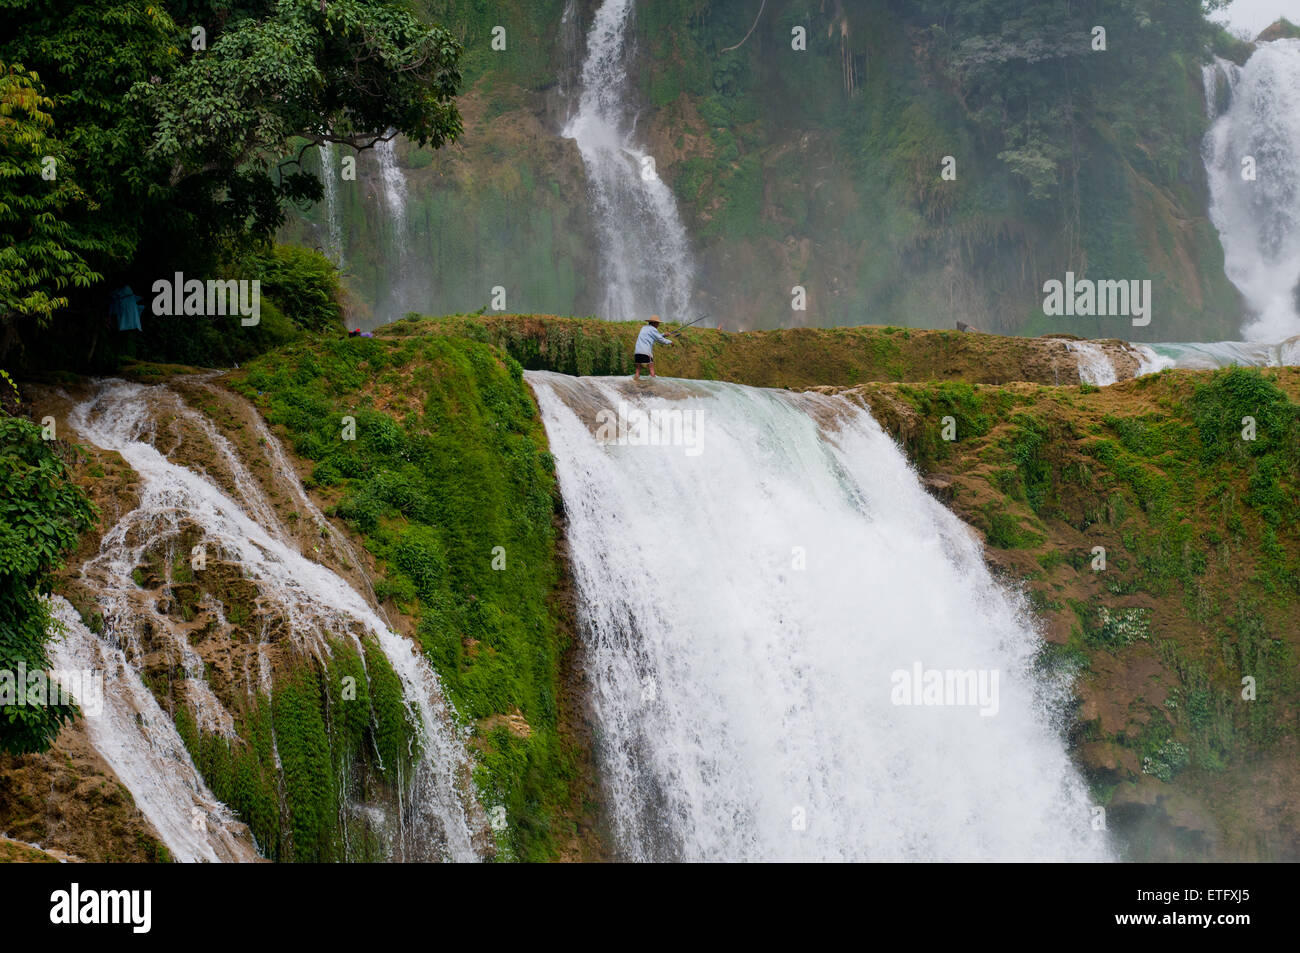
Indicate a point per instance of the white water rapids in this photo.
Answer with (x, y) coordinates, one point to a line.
(146, 426)
(1094, 365)
(747, 595)
(402, 291)
(394, 182)
(140, 743)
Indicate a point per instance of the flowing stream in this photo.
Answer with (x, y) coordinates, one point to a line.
(329, 173)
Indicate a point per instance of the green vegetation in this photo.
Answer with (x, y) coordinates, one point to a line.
(822, 167)
(136, 145)
(954, 404)
(41, 255)
(563, 345)
(794, 357)
(451, 488)
(340, 730)
(42, 514)
(300, 292)
(532, 36)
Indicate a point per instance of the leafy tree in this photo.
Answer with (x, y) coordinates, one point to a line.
(346, 71)
(179, 154)
(40, 254)
(41, 515)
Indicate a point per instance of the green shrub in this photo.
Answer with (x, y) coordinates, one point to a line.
(42, 514)
(304, 284)
(434, 492)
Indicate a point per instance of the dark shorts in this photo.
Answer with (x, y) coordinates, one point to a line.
(643, 358)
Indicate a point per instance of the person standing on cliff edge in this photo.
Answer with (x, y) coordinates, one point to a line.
(646, 340)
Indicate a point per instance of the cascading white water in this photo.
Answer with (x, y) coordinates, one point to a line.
(1255, 116)
(139, 742)
(1210, 83)
(145, 425)
(1259, 220)
(394, 183)
(400, 296)
(747, 598)
(1094, 365)
(570, 66)
(1205, 355)
(1150, 361)
(646, 264)
(333, 222)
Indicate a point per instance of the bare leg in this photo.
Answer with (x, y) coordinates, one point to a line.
(651, 365)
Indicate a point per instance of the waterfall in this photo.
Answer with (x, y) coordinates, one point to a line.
(760, 574)
(571, 65)
(646, 264)
(1150, 361)
(399, 297)
(193, 482)
(1255, 114)
(330, 182)
(394, 183)
(1213, 89)
(1094, 366)
(140, 743)
(1207, 355)
(1259, 220)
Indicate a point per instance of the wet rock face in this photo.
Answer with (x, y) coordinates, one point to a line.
(69, 802)
(1280, 30)
(207, 633)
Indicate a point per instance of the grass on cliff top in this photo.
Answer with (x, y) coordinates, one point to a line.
(446, 477)
(793, 357)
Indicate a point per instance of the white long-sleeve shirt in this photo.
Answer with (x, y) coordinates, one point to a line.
(648, 338)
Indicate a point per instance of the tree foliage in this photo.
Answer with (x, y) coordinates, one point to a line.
(41, 254)
(42, 513)
(178, 125)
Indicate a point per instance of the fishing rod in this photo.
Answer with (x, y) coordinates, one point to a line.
(685, 326)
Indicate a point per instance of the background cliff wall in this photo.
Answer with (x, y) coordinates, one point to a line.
(822, 168)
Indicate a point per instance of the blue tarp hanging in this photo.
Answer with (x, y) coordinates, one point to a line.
(125, 306)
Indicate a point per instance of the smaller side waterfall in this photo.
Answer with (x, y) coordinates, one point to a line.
(1252, 162)
(400, 296)
(1206, 355)
(647, 263)
(1217, 79)
(193, 486)
(394, 183)
(1094, 366)
(329, 174)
